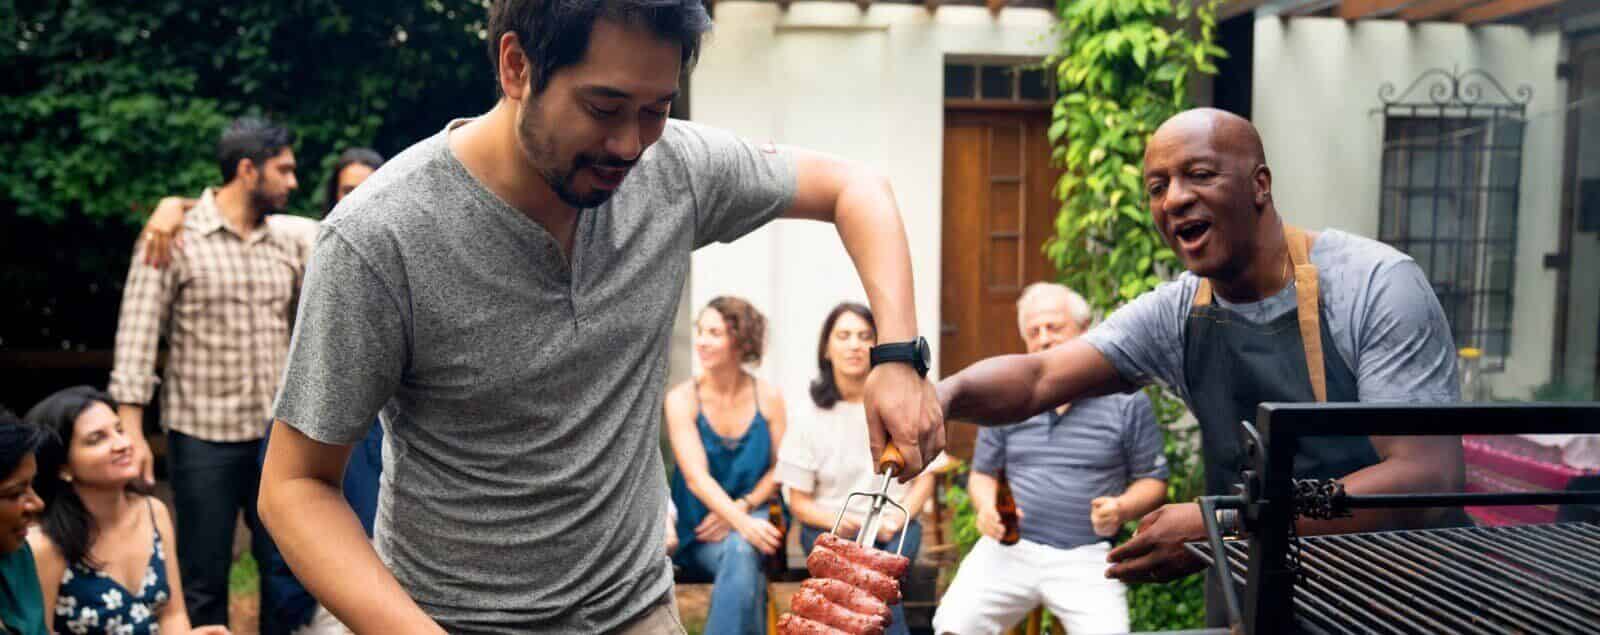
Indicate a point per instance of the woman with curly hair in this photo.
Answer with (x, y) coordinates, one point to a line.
(725, 427)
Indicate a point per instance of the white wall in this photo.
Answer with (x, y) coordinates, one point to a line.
(864, 86)
(1316, 87)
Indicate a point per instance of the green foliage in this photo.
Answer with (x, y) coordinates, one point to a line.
(1123, 67)
(963, 516)
(108, 106)
(1179, 604)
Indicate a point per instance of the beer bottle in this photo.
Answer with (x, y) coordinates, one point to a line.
(778, 562)
(1007, 506)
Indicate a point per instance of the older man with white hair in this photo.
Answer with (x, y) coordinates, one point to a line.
(1078, 472)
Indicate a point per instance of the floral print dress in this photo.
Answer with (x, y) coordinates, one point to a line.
(91, 601)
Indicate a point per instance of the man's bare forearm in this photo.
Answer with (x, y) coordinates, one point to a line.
(132, 417)
(328, 551)
(322, 541)
(1011, 388)
(1142, 497)
(981, 488)
(869, 225)
(1415, 465)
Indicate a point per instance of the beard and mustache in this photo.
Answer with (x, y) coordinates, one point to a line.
(540, 149)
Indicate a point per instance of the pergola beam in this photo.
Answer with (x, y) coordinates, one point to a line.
(1435, 9)
(1358, 9)
(1501, 9)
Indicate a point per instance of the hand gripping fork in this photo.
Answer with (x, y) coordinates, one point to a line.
(889, 464)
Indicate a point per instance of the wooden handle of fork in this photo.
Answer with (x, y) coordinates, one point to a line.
(891, 459)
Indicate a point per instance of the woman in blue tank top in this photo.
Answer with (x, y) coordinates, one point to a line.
(725, 426)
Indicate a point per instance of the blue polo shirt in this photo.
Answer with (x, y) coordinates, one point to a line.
(1056, 464)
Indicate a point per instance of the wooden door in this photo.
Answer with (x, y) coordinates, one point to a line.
(998, 212)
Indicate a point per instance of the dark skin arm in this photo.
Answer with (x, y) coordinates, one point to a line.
(1010, 388)
(1409, 465)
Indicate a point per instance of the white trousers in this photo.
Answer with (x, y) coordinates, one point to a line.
(998, 585)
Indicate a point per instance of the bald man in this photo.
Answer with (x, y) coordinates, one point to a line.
(1225, 336)
(1078, 471)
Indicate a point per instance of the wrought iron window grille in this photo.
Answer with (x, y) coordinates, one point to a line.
(1451, 179)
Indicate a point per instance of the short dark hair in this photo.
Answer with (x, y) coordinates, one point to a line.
(824, 389)
(253, 138)
(66, 521)
(555, 33)
(17, 440)
(351, 156)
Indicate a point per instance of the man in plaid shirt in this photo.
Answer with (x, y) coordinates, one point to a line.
(225, 305)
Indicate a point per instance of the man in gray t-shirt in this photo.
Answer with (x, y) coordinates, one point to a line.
(1227, 335)
(505, 300)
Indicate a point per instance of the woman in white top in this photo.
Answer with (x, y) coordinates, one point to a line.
(826, 454)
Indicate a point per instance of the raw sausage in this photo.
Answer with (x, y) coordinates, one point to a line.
(789, 624)
(889, 564)
(827, 563)
(814, 606)
(849, 597)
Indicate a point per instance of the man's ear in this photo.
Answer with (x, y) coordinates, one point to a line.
(247, 171)
(1262, 178)
(515, 68)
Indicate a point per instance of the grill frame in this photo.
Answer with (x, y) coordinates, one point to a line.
(1457, 580)
(1269, 507)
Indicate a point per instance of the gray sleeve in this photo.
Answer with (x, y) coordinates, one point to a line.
(989, 454)
(1141, 440)
(737, 185)
(1144, 338)
(1405, 352)
(349, 347)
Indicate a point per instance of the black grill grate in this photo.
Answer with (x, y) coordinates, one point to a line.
(1521, 579)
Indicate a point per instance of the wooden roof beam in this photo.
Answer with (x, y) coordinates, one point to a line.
(995, 6)
(1359, 9)
(1435, 9)
(1501, 9)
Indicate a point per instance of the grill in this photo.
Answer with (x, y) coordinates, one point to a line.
(1527, 579)
(1520, 579)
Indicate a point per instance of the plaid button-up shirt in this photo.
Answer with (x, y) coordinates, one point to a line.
(225, 304)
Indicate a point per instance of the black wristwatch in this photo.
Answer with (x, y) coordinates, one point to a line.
(914, 352)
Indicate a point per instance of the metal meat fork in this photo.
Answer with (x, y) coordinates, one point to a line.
(889, 464)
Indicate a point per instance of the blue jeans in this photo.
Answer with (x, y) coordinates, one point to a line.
(913, 542)
(738, 585)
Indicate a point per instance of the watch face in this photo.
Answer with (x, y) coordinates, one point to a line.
(922, 350)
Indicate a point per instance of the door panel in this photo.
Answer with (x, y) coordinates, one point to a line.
(998, 212)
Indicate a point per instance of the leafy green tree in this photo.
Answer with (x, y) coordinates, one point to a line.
(108, 106)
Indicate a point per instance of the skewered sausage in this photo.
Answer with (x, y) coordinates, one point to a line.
(827, 563)
(889, 564)
(790, 624)
(847, 596)
(817, 608)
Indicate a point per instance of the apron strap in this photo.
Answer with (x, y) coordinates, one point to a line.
(1306, 294)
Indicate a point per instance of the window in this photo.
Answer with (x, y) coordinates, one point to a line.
(997, 82)
(1450, 182)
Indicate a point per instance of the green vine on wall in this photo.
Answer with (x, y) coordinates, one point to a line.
(1123, 67)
